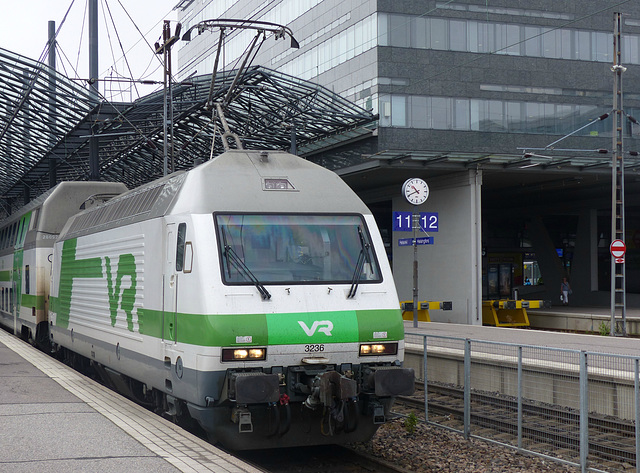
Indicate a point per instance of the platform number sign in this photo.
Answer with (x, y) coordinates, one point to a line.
(429, 221)
(402, 221)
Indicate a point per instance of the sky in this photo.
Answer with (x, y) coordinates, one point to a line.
(24, 31)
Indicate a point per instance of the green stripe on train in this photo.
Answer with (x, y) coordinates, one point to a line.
(5, 276)
(29, 300)
(269, 329)
(274, 329)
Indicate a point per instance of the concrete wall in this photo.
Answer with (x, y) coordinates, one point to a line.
(450, 269)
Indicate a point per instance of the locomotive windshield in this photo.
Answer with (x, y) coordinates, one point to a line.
(288, 249)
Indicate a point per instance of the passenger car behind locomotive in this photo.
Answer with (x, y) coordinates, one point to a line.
(251, 294)
(26, 248)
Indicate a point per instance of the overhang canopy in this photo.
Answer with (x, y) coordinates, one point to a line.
(47, 122)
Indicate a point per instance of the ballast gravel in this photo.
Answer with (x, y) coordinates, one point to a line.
(433, 449)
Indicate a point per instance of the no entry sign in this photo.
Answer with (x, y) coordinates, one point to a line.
(618, 249)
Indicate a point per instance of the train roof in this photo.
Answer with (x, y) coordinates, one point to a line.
(235, 181)
(63, 200)
(265, 181)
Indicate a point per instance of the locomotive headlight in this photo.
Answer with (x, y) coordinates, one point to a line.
(244, 354)
(376, 349)
(257, 353)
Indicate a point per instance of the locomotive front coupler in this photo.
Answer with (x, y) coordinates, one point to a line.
(240, 415)
(329, 386)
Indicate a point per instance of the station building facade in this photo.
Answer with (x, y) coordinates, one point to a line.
(500, 106)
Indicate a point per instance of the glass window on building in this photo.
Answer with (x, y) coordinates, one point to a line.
(564, 43)
(564, 119)
(514, 116)
(631, 49)
(532, 44)
(549, 118)
(383, 30)
(399, 31)
(601, 47)
(438, 33)
(441, 113)
(420, 116)
(398, 110)
(583, 45)
(549, 44)
(535, 117)
(457, 35)
(420, 32)
(461, 118)
(512, 40)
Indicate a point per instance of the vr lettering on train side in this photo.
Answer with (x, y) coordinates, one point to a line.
(72, 268)
(323, 326)
(126, 267)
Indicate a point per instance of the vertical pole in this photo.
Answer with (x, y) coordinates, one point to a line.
(294, 145)
(426, 382)
(26, 131)
(415, 270)
(170, 92)
(53, 178)
(166, 34)
(467, 389)
(618, 283)
(584, 411)
(94, 159)
(519, 397)
(93, 49)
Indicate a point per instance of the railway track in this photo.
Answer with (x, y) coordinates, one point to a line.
(319, 459)
(553, 430)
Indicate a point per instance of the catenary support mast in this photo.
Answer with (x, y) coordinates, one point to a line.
(618, 286)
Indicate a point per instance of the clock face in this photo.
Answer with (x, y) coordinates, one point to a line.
(415, 190)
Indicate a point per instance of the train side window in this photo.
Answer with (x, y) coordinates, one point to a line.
(34, 219)
(180, 240)
(26, 279)
(188, 257)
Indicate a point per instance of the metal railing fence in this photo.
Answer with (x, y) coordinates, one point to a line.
(577, 407)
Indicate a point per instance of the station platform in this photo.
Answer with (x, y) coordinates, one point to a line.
(582, 319)
(544, 338)
(53, 419)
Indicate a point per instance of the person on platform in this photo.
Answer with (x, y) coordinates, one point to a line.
(565, 290)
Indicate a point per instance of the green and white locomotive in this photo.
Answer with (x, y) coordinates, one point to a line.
(251, 294)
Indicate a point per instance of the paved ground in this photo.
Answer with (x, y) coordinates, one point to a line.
(53, 419)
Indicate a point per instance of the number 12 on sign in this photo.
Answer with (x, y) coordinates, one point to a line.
(429, 221)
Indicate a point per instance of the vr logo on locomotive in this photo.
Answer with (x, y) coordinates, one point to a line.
(119, 295)
(317, 326)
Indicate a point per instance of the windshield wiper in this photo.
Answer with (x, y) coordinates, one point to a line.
(363, 256)
(232, 258)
